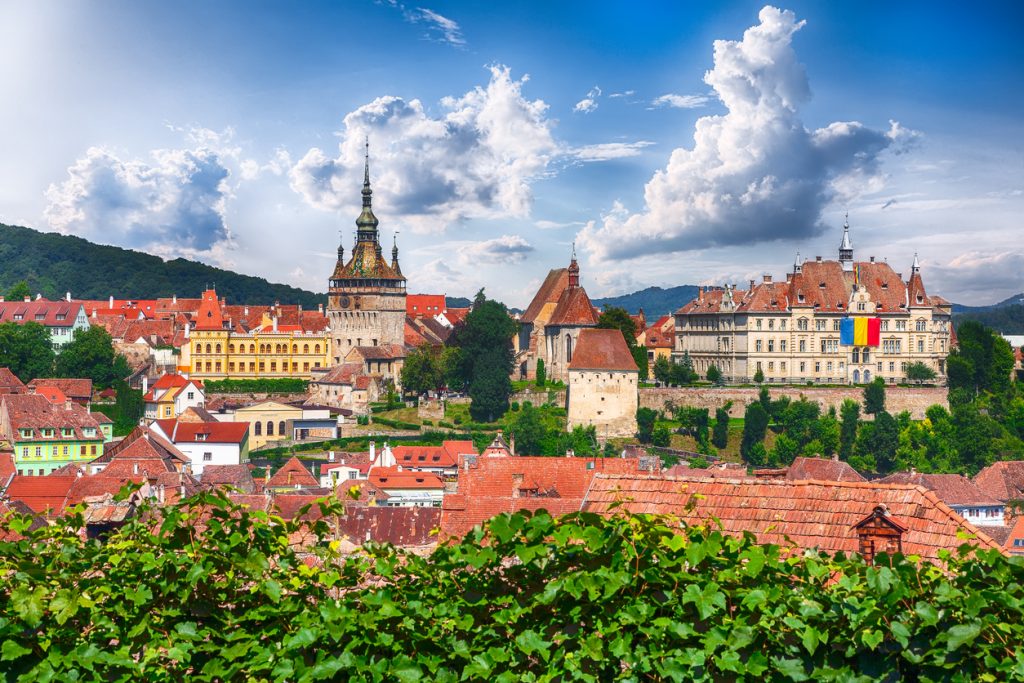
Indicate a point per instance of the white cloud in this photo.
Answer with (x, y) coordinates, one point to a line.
(440, 28)
(588, 103)
(171, 206)
(680, 101)
(977, 277)
(500, 250)
(610, 150)
(754, 174)
(476, 160)
(556, 225)
(627, 93)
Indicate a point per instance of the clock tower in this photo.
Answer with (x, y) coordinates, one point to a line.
(366, 297)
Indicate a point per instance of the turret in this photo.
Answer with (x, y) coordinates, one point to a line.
(846, 247)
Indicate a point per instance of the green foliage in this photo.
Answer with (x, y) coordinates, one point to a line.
(26, 349)
(486, 357)
(130, 408)
(645, 419)
(758, 376)
(53, 264)
(660, 436)
(527, 597)
(920, 372)
(662, 369)
(529, 429)
(849, 416)
(981, 362)
(542, 374)
(720, 434)
(714, 375)
(396, 424)
(428, 368)
(874, 396)
(270, 385)
(91, 354)
(615, 318)
(755, 425)
(19, 291)
(640, 358)
(876, 445)
(1008, 319)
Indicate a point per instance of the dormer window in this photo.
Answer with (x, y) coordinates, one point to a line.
(40, 316)
(821, 285)
(201, 436)
(885, 285)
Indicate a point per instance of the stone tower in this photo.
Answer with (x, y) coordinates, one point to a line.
(366, 297)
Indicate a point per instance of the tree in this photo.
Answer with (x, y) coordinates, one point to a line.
(129, 406)
(645, 419)
(920, 372)
(826, 434)
(755, 426)
(720, 434)
(981, 362)
(90, 354)
(758, 376)
(485, 361)
(877, 443)
(714, 375)
(639, 354)
(682, 373)
(660, 436)
(422, 371)
(615, 318)
(849, 418)
(19, 291)
(26, 349)
(662, 369)
(785, 450)
(542, 375)
(528, 428)
(874, 396)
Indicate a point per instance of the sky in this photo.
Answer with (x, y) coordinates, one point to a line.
(669, 143)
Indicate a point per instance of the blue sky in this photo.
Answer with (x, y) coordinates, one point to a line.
(501, 134)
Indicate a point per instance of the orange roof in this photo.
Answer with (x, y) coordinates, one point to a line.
(456, 315)
(75, 388)
(417, 305)
(9, 382)
(51, 394)
(7, 468)
(487, 486)
(211, 432)
(45, 495)
(952, 489)
(550, 290)
(209, 317)
(1002, 480)
(292, 474)
(598, 349)
(574, 308)
(662, 334)
(822, 469)
(445, 455)
(397, 478)
(810, 514)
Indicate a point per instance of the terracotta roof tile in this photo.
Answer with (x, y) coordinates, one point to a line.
(822, 469)
(574, 309)
(44, 495)
(810, 514)
(598, 349)
(952, 489)
(47, 313)
(9, 382)
(1002, 480)
(550, 291)
(292, 474)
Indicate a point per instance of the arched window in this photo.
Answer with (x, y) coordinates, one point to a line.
(856, 376)
(568, 348)
(208, 348)
(305, 348)
(316, 349)
(252, 348)
(867, 377)
(199, 348)
(295, 348)
(218, 348)
(231, 348)
(257, 428)
(280, 428)
(270, 428)
(279, 349)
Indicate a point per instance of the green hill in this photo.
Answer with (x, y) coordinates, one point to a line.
(54, 264)
(655, 301)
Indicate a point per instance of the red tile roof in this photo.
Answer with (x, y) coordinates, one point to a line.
(821, 469)
(16, 507)
(418, 305)
(598, 349)
(1002, 480)
(51, 394)
(7, 468)
(9, 382)
(291, 475)
(210, 432)
(34, 412)
(488, 486)
(952, 489)
(662, 334)
(74, 388)
(550, 291)
(45, 495)
(810, 514)
(143, 453)
(236, 476)
(48, 313)
(574, 309)
(209, 316)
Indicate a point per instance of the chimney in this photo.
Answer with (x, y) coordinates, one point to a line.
(512, 443)
(330, 456)
(751, 285)
(188, 329)
(28, 298)
(871, 258)
(67, 404)
(835, 457)
(135, 468)
(275, 323)
(879, 532)
(767, 278)
(319, 308)
(174, 298)
(160, 494)
(245, 310)
(373, 451)
(111, 301)
(78, 473)
(67, 296)
(145, 382)
(1, 298)
(818, 259)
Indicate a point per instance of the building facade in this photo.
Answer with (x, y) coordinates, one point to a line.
(604, 385)
(215, 351)
(61, 318)
(793, 331)
(45, 436)
(366, 304)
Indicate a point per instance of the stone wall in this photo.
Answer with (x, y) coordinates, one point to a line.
(539, 398)
(605, 400)
(897, 399)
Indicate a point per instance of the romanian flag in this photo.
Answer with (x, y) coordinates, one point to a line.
(859, 331)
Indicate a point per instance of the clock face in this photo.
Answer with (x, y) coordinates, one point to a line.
(345, 302)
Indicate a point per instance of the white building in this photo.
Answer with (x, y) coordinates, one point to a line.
(207, 443)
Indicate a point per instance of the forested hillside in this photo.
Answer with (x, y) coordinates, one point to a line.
(1007, 319)
(54, 264)
(655, 301)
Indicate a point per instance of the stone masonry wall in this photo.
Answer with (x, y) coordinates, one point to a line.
(897, 399)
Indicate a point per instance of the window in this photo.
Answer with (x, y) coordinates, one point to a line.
(771, 366)
(891, 346)
(273, 366)
(901, 325)
(252, 367)
(280, 428)
(92, 450)
(860, 306)
(771, 346)
(305, 348)
(866, 356)
(209, 366)
(817, 367)
(39, 451)
(801, 324)
(771, 324)
(782, 365)
(568, 348)
(758, 365)
(252, 348)
(782, 325)
(262, 366)
(167, 411)
(82, 451)
(231, 367)
(192, 394)
(819, 325)
(270, 428)
(218, 348)
(208, 348)
(207, 457)
(295, 348)
(884, 325)
(782, 345)
(257, 428)
(892, 366)
(217, 366)
(316, 349)
(920, 326)
(803, 367)
(757, 346)
(920, 345)
(199, 348)
(65, 450)
(231, 348)
(835, 325)
(803, 346)
(830, 346)
(828, 366)
(758, 323)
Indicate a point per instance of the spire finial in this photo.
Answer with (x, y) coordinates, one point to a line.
(846, 221)
(574, 250)
(366, 163)
(367, 222)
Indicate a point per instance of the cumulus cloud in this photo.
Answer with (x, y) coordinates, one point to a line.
(557, 225)
(172, 205)
(504, 249)
(609, 150)
(474, 160)
(626, 93)
(588, 103)
(680, 101)
(977, 277)
(755, 173)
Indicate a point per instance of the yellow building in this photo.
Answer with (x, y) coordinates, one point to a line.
(270, 350)
(268, 421)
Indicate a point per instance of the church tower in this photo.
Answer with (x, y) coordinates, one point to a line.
(846, 247)
(366, 297)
